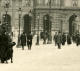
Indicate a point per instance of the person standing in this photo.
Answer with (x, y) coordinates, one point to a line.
(63, 39)
(77, 39)
(69, 39)
(23, 40)
(5, 39)
(55, 38)
(29, 41)
(44, 38)
(59, 40)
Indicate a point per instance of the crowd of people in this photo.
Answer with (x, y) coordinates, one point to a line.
(61, 39)
(6, 43)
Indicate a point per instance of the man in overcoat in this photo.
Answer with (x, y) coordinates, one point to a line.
(29, 41)
(23, 40)
(59, 40)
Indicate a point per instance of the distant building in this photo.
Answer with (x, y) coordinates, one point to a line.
(9, 12)
(60, 12)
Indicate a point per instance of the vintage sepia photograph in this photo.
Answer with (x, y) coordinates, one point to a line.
(39, 35)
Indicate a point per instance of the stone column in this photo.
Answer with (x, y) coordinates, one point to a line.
(13, 15)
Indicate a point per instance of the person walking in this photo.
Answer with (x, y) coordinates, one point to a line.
(63, 39)
(23, 40)
(69, 39)
(29, 41)
(55, 38)
(59, 40)
(77, 39)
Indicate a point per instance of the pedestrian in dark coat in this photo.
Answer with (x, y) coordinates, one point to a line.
(68, 39)
(74, 38)
(23, 40)
(63, 39)
(29, 41)
(55, 38)
(4, 47)
(0, 45)
(4, 54)
(59, 40)
(77, 39)
(44, 38)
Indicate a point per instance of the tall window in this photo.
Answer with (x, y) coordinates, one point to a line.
(28, 2)
(74, 3)
(53, 2)
(57, 3)
(39, 2)
(62, 2)
(46, 2)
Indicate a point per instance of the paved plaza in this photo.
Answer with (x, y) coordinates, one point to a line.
(45, 58)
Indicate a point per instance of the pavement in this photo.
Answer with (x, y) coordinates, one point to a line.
(44, 58)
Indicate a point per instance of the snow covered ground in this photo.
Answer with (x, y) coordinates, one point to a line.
(44, 58)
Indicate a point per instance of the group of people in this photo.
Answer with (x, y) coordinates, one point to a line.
(26, 39)
(6, 47)
(76, 38)
(61, 39)
(6, 43)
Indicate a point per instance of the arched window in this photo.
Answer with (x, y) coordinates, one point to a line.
(74, 3)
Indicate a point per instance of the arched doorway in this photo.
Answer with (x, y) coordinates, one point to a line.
(7, 22)
(47, 26)
(47, 23)
(72, 24)
(27, 24)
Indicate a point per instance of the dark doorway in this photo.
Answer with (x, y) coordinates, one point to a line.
(72, 24)
(47, 26)
(7, 22)
(27, 24)
(47, 23)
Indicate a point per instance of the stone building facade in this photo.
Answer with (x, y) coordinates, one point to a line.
(11, 7)
(59, 10)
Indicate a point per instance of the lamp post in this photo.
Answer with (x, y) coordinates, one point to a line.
(61, 27)
(6, 8)
(5, 21)
(38, 17)
(30, 20)
(49, 35)
(19, 26)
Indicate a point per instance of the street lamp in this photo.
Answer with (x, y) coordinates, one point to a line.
(4, 23)
(61, 26)
(38, 17)
(19, 26)
(6, 6)
(19, 19)
(50, 24)
(5, 20)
